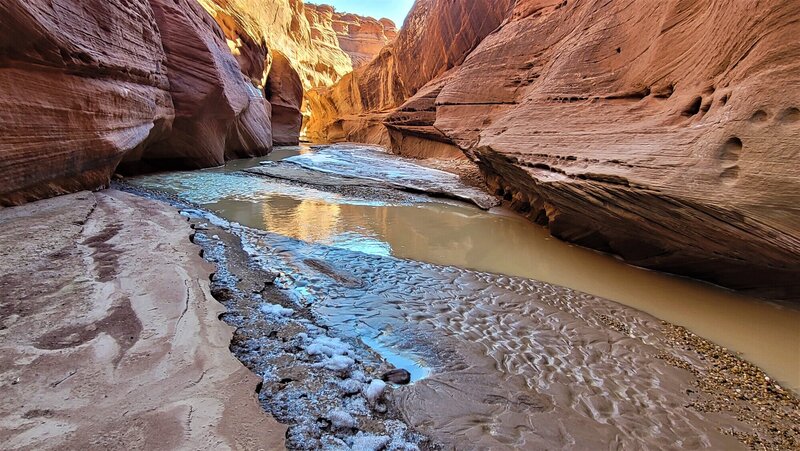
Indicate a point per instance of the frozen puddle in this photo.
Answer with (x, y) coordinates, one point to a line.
(372, 167)
(398, 359)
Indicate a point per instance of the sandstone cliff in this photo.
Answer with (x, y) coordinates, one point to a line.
(282, 26)
(312, 43)
(437, 36)
(85, 84)
(75, 97)
(362, 38)
(666, 134)
(218, 116)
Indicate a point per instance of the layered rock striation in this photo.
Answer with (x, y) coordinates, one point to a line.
(75, 97)
(362, 38)
(665, 134)
(86, 85)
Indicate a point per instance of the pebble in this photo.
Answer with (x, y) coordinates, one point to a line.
(397, 376)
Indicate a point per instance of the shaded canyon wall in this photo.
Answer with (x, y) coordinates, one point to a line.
(86, 85)
(666, 134)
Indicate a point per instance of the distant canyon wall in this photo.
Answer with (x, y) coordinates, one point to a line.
(437, 36)
(91, 87)
(667, 134)
(319, 44)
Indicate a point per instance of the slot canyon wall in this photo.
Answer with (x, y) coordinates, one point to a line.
(312, 43)
(91, 87)
(667, 134)
(85, 86)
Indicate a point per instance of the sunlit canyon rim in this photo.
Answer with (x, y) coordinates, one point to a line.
(568, 224)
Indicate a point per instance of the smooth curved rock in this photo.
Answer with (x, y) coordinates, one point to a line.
(664, 135)
(87, 87)
(81, 85)
(284, 90)
(218, 114)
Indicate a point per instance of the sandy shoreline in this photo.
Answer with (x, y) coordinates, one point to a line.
(110, 338)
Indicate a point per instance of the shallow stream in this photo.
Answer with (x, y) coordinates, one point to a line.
(503, 328)
(497, 241)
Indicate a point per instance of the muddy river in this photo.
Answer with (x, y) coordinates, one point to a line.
(512, 337)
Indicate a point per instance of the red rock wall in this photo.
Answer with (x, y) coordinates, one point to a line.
(319, 44)
(218, 115)
(664, 132)
(284, 91)
(84, 84)
(362, 38)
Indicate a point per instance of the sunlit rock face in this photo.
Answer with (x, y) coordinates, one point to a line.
(319, 44)
(300, 32)
(666, 134)
(362, 38)
(81, 85)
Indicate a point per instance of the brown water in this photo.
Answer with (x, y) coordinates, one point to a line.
(498, 242)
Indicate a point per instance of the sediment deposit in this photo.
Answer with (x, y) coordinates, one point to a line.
(110, 337)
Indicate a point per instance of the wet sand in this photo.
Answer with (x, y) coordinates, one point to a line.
(109, 337)
(512, 363)
(521, 364)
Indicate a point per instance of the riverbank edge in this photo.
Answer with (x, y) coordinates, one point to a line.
(111, 337)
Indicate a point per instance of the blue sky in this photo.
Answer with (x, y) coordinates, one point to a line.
(393, 9)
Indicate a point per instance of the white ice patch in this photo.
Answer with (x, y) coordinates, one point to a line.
(328, 347)
(350, 386)
(276, 310)
(341, 420)
(369, 442)
(335, 353)
(375, 390)
(338, 363)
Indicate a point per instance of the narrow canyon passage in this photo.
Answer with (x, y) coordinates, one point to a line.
(407, 225)
(412, 278)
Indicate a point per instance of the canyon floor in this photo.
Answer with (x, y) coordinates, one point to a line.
(113, 336)
(110, 338)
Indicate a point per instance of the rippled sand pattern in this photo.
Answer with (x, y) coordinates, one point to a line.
(516, 363)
